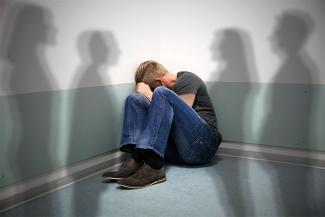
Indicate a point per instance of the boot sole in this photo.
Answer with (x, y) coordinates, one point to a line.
(138, 187)
(112, 178)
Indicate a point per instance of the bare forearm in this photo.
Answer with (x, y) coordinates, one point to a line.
(145, 90)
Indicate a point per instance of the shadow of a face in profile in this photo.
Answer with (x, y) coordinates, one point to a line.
(98, 51)
(28, 32)
(289, 112)
(233, 50)
(92, 113)
(288, 42)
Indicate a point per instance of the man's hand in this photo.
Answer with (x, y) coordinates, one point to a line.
(144, 89)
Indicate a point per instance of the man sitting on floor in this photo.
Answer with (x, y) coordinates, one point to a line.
(169, 116)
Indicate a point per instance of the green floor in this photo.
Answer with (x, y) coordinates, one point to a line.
(229, 186)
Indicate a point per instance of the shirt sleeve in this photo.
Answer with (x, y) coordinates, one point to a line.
(187, 83)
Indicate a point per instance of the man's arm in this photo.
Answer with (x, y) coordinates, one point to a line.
(145, 90)
(188, 98)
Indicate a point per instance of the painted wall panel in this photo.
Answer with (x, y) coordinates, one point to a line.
(273, 114)
(44, 131)
(48, 130)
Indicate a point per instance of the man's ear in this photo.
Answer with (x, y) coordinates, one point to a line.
(159, 81)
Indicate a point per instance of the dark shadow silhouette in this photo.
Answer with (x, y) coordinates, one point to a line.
(92, 113)
(232, 48)
(29, 30)
(289, 110)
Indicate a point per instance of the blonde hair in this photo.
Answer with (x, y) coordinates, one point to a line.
(148, 72)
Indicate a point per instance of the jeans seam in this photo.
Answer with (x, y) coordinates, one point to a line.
(154, 137)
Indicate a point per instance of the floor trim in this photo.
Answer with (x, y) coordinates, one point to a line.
(315, 159)
(19, 193)
(301, 153)
(274, 161)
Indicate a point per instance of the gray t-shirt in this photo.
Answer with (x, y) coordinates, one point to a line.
(188, 82)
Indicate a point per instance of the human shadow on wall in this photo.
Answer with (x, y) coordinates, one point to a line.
(233, 50)
(93, 122)
(28, 32)
(289, 113)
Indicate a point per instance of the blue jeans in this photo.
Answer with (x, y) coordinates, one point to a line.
(169, 127)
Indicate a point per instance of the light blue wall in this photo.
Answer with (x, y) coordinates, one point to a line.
(44, 131)
(48, 130)
(286, 115)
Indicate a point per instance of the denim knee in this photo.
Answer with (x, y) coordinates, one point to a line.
(161, 90)
(137, 98)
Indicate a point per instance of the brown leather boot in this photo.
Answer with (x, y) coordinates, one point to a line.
(127, 169)
(144, 177)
